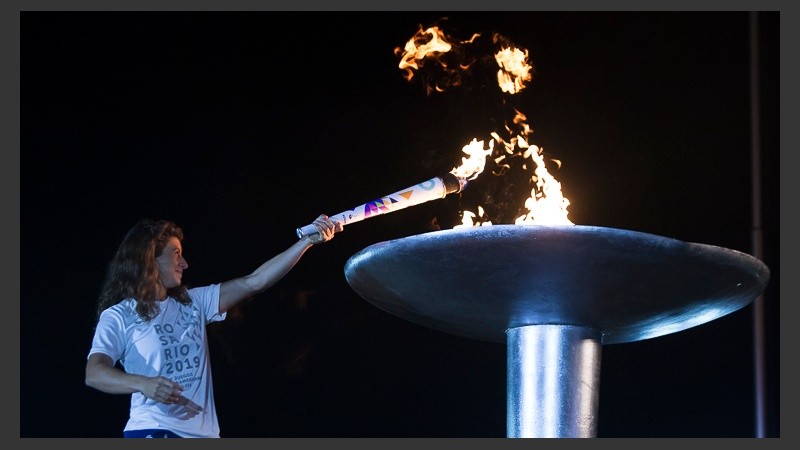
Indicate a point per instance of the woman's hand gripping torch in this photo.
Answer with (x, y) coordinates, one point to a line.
(435, 188)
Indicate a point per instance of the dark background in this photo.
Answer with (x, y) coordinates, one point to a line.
(242, 126)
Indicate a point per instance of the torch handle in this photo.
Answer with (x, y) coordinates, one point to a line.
(307, 230)
(432, 189)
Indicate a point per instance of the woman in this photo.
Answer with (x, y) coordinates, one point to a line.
(155, 327)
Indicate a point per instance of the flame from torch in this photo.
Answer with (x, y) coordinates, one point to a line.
(435, 188)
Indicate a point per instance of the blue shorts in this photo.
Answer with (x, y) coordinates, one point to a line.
(150, 433)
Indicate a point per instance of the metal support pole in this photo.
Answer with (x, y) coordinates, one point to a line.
(553, 381)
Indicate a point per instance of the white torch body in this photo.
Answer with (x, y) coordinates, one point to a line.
(435, 188)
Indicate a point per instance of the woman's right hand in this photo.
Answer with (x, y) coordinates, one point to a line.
(161, 389)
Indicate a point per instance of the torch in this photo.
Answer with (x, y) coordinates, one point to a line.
(435, 188)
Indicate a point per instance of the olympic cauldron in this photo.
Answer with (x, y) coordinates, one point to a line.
(554, 294)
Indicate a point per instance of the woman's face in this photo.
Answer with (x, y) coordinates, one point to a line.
(171, 264)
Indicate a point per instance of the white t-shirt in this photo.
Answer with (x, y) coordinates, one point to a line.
(174, 345)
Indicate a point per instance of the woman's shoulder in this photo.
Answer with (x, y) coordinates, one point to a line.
(202, 291)
(123, 312)
(123, 307)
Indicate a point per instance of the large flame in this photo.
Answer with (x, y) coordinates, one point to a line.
(546, 204)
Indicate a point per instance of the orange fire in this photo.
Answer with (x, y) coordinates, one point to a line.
(424, 44)
(473, 164)
(514, 69)
(546, 204)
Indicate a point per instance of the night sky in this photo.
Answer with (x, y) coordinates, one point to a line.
(242, 126)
